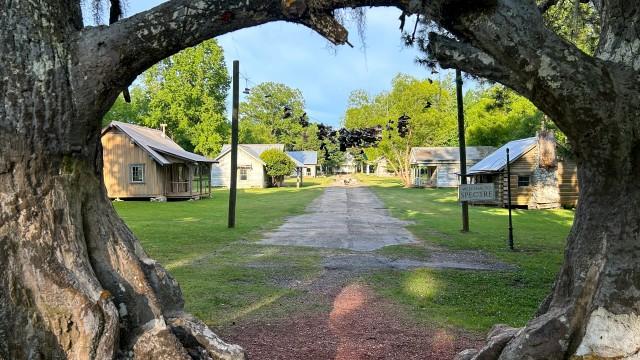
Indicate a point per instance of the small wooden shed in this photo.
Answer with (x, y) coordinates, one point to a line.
(540, 178)
(439, 166)
(140, 162)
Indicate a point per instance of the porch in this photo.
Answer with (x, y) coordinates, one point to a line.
(424, 175)
(187, 180)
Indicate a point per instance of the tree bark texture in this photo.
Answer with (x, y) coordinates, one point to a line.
(75, 282)
(594, 309)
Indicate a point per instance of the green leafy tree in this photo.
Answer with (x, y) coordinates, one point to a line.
(577, 22)
(186, 91)
(263, 118)
(497, 115)
(278, 165)
(132, 112)
(429, 104)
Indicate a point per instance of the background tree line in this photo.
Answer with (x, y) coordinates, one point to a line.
(494, 115)
(188, 92)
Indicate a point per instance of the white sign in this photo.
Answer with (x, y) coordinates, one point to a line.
(477, 192)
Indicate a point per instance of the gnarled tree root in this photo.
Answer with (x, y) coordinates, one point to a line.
(81, 286)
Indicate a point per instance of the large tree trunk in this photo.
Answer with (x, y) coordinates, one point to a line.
(75, 282)
(594, 309)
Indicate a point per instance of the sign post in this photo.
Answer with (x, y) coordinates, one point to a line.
(234, 145)
(463, 149)
(509, 201)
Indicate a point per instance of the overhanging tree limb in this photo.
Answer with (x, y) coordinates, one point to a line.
(451, 53)
(131, 45)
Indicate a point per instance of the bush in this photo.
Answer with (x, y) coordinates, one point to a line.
(278, 165)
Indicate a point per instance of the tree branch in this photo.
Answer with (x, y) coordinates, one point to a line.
(620, 32)
(534, 61)
(454, 54)
(111, 57)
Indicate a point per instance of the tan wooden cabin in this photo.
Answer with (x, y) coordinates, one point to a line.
(140, 162)
(540, 179)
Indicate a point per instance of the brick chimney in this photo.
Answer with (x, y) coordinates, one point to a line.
(547, 149)
(164, 130)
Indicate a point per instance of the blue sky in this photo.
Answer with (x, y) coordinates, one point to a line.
(298, 57)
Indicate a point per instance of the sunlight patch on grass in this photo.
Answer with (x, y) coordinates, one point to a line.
(211, 262)
(471, 299)
(189, 219)
(421, 285)
(253, 307)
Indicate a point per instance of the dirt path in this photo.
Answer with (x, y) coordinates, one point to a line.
(359, 325)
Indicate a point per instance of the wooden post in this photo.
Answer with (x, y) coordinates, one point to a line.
(509, 201)
(463, 149)
(190, 179)
(234, 145)
(200, 178)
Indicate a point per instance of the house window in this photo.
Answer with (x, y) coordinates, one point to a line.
(308, 171)
(524, 180)
(243, 173)
(136, 173)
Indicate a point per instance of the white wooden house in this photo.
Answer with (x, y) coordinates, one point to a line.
(439, 166)
(251, 169)
(309, 161)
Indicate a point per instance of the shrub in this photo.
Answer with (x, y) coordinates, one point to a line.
(278, 165)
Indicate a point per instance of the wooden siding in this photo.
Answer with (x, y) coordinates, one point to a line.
(527, 165)
(118, 153)
(221, 172)
(446, 174)
(311, 170)
(568, 182)
(524, 166)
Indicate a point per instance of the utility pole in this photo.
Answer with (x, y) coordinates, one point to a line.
(463, 149)
(509, 201)
(234, 145)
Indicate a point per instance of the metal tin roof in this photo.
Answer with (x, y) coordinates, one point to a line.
(305, 157)
(451, 153)
(497, 160)
(255, 150)
(155, 143)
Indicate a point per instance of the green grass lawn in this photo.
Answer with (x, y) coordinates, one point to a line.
(471, 299)
(225, 276)
(191, 239)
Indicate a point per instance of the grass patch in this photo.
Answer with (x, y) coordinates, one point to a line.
(473, 300)
(223, 274)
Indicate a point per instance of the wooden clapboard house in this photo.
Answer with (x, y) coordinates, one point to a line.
(540, 178)
(251, 169)
(140, 162)
(439, 166)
